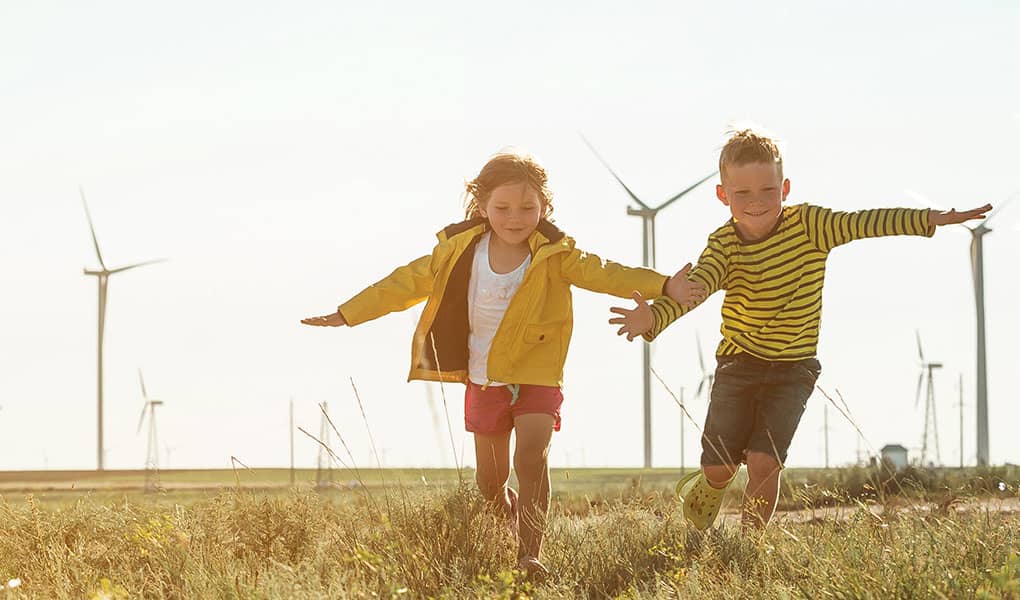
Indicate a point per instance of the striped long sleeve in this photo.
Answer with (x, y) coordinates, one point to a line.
(773, 304)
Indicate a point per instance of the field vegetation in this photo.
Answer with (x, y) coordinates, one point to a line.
(853, 533)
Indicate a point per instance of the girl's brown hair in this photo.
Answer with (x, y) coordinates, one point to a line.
(507, 167)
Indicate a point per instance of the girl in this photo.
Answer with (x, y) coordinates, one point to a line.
(498, 318)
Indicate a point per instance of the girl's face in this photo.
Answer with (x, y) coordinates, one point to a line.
(513, 211)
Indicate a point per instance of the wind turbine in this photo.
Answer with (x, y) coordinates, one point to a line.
(152, 451)
(977, 267)
(647, 214)
(103, 278)
(930, 424)
(706, 376)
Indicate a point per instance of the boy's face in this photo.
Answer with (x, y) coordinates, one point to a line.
(755, 193)
(513, 211)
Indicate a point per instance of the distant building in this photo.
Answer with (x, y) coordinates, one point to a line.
(895, 456)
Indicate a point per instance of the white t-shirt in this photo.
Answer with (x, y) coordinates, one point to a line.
(489, 294)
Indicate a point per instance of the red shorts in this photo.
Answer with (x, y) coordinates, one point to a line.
(489, 411)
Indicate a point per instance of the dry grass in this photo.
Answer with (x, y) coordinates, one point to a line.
(443, 543)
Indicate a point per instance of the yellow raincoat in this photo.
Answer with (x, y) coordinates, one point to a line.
(530, 344)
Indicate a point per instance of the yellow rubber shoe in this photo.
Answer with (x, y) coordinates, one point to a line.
(701, 501)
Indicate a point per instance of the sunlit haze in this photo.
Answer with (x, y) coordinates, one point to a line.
(283, 157)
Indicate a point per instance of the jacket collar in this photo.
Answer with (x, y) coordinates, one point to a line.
(547, 239)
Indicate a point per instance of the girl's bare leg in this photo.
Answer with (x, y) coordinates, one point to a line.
(531, 461)
(492, 457)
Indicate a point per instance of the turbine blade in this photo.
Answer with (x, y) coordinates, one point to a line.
(701, 386)
(920, 352)
(701, 360)
(995, 211)
(917, 398)
(141, 418)
(141, 264)
(921, 199)
(689, 188)
(141, 380)
(92, 229)
(613, 173)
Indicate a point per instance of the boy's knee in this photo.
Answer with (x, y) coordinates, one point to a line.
(761, 465)
(719, 475)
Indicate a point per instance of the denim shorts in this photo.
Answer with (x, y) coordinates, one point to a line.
(756, 406)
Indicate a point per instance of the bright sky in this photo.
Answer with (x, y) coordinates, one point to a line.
(283, 158)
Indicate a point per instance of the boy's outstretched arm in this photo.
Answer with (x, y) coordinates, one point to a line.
(952, 217)
(334, 320)
(633, 322)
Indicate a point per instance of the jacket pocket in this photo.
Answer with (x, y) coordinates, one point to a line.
(542, 332)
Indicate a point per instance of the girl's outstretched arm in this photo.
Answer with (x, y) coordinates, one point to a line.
(334, 320)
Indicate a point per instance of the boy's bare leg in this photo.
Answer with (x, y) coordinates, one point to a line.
(534, 432)
(492, 457)
(762, 491)
(719, 475)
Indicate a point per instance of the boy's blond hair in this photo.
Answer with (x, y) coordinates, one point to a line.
(750, 145)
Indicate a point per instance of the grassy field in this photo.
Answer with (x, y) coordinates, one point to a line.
(417, 534)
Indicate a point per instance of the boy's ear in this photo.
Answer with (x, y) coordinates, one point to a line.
(720, 193)
(786, 188)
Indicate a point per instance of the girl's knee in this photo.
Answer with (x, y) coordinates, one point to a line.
(490, 486)
(530, 461)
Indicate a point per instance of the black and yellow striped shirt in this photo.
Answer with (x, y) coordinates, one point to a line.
(773, 304)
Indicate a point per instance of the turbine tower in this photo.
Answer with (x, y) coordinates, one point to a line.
(103, 278)
(152, 450)
(647, 214)
(977, 268)
(930, 424)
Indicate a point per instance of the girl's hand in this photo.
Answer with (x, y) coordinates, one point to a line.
(687, 293)
(634, 322)
(334, 320)
(952, 217)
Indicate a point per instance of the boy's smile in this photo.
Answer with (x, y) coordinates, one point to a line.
(754, 192)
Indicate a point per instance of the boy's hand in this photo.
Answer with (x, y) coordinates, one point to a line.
(687, 293)
(951, 217)
(634, 322)
(334, 320)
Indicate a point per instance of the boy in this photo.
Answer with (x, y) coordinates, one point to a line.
(770, 259)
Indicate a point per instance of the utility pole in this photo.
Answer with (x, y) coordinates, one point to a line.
(826, 427)
(682, 428)
(291, 442)
(961, 420)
